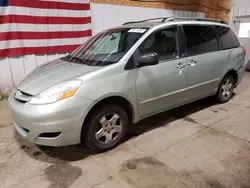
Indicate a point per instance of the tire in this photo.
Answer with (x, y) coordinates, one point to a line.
(226, 88)
(102, 132)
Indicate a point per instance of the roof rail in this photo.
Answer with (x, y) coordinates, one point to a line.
(164, 19)
(200, 19)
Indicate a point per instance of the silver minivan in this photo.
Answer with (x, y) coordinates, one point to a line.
(123, 75)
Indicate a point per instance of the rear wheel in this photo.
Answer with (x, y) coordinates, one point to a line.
(226, 88)
(106, 128)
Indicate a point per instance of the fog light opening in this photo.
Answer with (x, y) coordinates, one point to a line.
(49, 135)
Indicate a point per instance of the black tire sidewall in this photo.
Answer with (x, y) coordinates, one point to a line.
(90, 129)
(219, 93)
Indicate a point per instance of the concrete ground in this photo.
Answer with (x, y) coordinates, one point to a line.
(202, 144)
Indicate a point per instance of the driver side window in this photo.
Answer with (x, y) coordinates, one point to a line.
(164, 42)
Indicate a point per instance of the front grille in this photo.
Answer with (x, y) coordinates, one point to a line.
(22, 101)
(25, 93)
(22, 96)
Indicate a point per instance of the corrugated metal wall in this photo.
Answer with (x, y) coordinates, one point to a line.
(104, 16)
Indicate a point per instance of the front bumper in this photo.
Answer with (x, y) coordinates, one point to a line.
(64, 117)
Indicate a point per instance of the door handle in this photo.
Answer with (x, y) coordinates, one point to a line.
(192, 63)
(180, 66)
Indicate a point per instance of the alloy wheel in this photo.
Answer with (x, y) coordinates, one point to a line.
(226, 89)
(109, 128)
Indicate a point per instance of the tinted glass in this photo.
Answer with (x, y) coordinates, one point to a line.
(106, 48)
(163, 42)
(227, 37)
(200, 39)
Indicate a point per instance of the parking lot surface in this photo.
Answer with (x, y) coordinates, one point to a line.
(203, 144)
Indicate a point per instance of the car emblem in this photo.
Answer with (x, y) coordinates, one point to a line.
(18, 93)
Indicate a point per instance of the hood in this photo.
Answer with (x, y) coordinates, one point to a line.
(52, 73)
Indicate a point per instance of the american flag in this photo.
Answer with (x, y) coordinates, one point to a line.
(43, 26)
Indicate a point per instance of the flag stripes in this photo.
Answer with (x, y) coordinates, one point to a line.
(43, 26)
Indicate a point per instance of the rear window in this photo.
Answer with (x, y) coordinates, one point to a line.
(227, 37)
(200, 39)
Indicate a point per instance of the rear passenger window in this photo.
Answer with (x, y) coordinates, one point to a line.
(227, 37)
(200, 39)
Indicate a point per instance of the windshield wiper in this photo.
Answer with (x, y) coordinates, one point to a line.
(79, 59)
(68, 57)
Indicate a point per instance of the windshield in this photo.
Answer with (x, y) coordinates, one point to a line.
(106, 48)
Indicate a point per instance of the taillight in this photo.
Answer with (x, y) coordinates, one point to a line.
(244, 50)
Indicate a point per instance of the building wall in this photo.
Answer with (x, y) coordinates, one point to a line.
(107, 16)
(212, 8)
(240, 7)
(104, 16)
(240, 13)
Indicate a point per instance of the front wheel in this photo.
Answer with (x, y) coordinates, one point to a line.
(106, 128)
(226, 88)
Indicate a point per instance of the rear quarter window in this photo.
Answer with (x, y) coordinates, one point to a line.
(227, 37)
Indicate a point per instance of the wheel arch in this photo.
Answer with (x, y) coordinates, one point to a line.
(233, 73)
(118, 100)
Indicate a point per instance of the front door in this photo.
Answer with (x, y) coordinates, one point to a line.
(204, 60)
(162, 86)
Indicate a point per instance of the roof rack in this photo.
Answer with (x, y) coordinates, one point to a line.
(200, 19)
(164, 19)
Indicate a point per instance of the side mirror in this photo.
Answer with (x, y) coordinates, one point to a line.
(148, 59)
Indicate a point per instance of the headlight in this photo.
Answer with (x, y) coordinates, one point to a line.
(58, 92)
